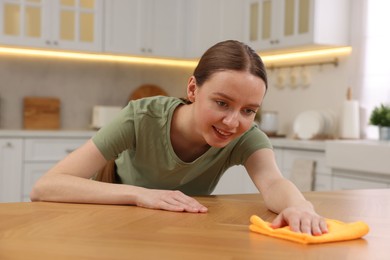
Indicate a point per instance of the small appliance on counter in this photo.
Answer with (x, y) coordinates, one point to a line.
(269, 122)
(102, 115)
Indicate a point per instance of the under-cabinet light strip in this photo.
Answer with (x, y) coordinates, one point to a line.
(165, 62)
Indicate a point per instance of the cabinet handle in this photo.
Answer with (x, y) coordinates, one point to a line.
(55, 43)
(69, 150)
(8, 145)
(48, 42)
(143, 50)
(150, 50)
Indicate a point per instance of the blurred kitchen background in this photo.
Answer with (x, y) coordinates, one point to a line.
(326, 62)
(131, 27)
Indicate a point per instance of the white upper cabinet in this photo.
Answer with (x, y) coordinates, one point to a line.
(59, 24)
(145, 27)
(209, 22)
(289, 24)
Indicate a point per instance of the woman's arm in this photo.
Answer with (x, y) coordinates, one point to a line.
(69, 181)
(281, 196)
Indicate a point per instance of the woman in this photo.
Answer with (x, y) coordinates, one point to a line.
(167, 149)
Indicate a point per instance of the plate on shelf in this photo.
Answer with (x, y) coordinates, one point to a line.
(309, 125)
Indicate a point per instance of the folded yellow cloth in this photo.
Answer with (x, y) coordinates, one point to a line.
(337, 231)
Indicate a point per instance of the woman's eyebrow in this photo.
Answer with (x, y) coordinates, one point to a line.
(232, 99)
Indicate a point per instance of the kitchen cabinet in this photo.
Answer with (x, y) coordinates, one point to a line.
(10, 167)
(145, 27)
(322, 173)
(351, 183)
(235, 181)
(209, 22)
(56, 24)
(295, 24)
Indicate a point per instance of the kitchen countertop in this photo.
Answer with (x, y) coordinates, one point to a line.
(43, 230)
(317, 145)
(46, 133)
(359, 155)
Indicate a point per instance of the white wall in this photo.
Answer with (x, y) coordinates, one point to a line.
(327, 91)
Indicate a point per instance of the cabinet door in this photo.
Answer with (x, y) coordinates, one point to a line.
(77, 24)
(123, 25)
(263, 24)
(344, 183)
(235, 181)
(166, 28)
(296, 24)
(23, 22)
(10, 170)
(210, 22)
(145, 27)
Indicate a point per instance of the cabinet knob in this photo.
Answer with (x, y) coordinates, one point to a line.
(150, 51)
(143, 50)
(55, 43)
(48, 42)
(8, 145)
(69, 150)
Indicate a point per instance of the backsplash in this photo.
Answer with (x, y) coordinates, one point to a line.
(79, 85)
(82, 84)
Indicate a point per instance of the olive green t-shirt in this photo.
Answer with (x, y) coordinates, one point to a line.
(139, 139)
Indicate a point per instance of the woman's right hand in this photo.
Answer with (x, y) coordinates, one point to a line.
(169, 200)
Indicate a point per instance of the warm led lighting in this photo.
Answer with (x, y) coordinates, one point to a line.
(314, 54)
(97, 57)
(167, 62)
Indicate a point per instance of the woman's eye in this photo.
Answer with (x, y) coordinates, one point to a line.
(221, 103)
(249, 111)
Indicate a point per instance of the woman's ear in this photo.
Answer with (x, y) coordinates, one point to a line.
(191, 89)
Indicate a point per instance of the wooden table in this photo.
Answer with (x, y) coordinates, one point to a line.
(42, 230)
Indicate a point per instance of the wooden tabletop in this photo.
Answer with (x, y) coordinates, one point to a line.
(42, 230)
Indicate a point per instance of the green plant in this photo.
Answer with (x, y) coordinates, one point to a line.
(380, 116)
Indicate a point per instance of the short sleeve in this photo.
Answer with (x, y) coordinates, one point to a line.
(118, 135)
(252, 140)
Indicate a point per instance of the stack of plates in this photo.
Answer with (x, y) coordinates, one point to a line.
(314, 124)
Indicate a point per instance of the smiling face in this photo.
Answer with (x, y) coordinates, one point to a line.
(224, 107)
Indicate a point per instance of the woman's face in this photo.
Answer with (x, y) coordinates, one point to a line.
(224, 107)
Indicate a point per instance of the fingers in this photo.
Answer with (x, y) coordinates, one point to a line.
(177, 201)
(301, 222)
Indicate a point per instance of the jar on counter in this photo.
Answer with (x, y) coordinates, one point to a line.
(269, 122)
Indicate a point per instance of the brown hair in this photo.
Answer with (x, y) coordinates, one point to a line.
(229, 55)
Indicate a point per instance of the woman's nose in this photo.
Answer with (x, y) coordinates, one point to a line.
(231, 119)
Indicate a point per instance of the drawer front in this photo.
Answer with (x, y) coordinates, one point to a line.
(289, 156)
(342, 183)
(49, 150)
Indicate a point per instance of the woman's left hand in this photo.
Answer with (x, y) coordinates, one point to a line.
(301, 219)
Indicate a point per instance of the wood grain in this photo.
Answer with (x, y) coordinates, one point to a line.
(41, 113)
(43, 230)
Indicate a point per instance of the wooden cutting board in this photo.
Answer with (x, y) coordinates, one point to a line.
(41, 113)
(147, 90)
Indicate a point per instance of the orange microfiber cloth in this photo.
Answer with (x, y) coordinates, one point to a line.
(337, 231)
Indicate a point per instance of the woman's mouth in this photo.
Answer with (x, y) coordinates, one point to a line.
(221, 133)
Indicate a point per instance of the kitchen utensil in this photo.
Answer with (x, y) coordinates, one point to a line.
(41, 113)
(350, 122)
